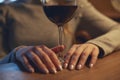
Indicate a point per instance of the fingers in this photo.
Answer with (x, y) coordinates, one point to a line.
(58, 48)
(20, 57)
(22, 51)
(76, 51)
(94, 57)
(46, 60)
(53, 58)
(78, 54)
(42, 57)
(84, 56)
(68, 55)
(26, 64)
(37, 62)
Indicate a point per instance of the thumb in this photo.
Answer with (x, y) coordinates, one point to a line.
(59, 48)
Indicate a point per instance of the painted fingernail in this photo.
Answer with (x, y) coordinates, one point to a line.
(65, 65)
(79, 67)
(71, 67)
(91, 65)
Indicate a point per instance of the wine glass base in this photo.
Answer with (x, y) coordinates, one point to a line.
(61, 60)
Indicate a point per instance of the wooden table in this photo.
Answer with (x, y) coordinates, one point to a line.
(107, 68)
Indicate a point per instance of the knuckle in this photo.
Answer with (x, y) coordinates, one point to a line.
(96, 48)
(75, 45)
(50, 54)
(85, 54)
(82, 47)
(93, 60)
(76, 54)
(43, 46)
(81, 63)
(38, 48)
(67, 58)
(26, 62)
(34, 57)
(94, 56)
(95, 53)
(44, 57)
(69, 53)
(74, 58)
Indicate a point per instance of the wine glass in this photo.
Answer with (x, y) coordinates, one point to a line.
(59, 12)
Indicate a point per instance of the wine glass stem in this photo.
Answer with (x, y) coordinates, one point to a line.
(60, 29)
(60, 41)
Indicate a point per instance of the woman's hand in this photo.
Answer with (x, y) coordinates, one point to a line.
(78, 55)
(40, 57)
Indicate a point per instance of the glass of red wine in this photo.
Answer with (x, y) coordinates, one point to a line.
(59, 12)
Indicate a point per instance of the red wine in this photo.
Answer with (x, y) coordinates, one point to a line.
(59, 14)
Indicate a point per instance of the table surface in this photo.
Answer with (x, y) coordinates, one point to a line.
(107, 68)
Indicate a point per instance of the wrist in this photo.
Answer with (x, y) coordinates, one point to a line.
(13, 54)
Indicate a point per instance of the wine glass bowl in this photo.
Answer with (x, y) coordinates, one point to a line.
(59, 12)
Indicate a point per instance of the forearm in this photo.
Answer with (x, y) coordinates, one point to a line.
(99, 23)
(109, 42)
(94, 18)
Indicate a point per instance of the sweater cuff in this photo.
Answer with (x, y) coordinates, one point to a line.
(13, 54)
(104, 46)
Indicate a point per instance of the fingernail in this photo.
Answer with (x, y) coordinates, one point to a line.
(60, 67)
(54, 71)
(91, 65)
(31, 70)
(45, 71)
(71, 67)
(79, 67)
(65, 65)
